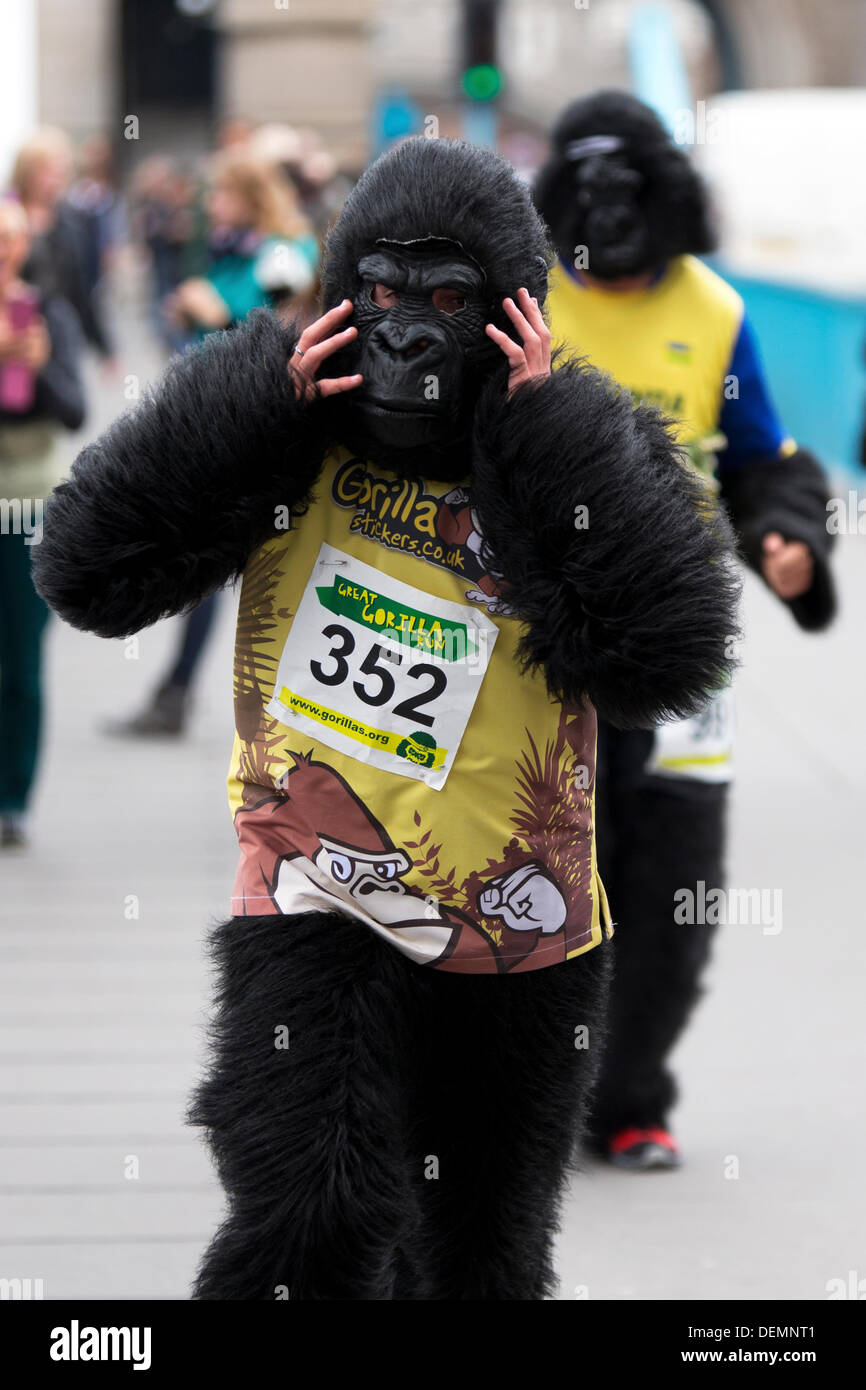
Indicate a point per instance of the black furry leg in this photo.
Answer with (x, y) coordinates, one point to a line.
(655, 835)
(502, 1099)
(310, 1140)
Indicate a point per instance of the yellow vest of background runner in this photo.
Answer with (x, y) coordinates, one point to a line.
(670, 345)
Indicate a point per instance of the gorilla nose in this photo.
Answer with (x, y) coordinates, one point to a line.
(614, 221)
(408, 341)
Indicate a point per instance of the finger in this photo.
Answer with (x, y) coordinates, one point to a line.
(533, 313)
(325, 325)
(773, 542)
(513, 351)
(331, 386)
(315, 355)
(521, 323)
(537, 349)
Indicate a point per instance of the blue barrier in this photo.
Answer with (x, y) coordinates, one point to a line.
(812, 343)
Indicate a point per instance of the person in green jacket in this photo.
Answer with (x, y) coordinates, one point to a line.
(262, 248)
(262, 253)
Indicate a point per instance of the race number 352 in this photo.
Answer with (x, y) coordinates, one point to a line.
(379, 686)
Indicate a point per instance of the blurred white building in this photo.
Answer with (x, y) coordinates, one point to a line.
(786, 169)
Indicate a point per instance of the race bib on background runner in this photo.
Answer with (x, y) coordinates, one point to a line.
(700, 747)
(381, 671)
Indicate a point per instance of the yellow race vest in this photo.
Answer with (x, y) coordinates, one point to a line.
(670, 345)
(390, 760)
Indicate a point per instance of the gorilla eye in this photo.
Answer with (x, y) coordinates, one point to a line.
(341, 867)
(384, 296)
(449, 301)
(385, 870)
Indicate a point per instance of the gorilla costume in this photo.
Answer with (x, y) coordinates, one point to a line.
(423, 638)
(622, 201)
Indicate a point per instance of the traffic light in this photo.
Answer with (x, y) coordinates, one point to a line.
(482, 82)
(481, 76)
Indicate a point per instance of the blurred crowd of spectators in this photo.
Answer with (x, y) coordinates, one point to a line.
(240, 227)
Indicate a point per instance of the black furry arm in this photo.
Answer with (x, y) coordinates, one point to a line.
(635, 611)
(169, 503)
(788, 495)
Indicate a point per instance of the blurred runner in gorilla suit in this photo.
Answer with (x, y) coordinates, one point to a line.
(628, 217)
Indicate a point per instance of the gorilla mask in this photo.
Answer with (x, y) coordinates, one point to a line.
(616, 185)
(431, 240)
(420, 315)
(607, 207)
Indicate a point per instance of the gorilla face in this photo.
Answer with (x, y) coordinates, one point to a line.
(433, 237)
(420, 314)
(608, 216)
(605, 211)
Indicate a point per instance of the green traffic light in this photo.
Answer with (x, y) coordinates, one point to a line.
(482, 82)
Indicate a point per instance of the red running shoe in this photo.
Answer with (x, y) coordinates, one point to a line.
(644, 1149)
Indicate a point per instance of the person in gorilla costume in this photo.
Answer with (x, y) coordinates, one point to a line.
(397, 1084)
(628, 217)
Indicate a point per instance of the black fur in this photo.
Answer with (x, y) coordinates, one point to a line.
(169, 503)
(636, 612)
(788, 495)
(672, 201)
(323, 1147)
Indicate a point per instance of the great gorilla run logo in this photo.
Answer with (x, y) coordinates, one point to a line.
(400, 622)
(400, 515)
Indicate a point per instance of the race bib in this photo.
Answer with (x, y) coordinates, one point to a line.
(700, 747)
(381, 671)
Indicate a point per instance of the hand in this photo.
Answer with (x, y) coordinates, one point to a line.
(787, 566)
(316, 344)
(532, 361)
(33, 346)
(197, 301)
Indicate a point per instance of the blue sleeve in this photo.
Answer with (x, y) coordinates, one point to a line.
(748, 421)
